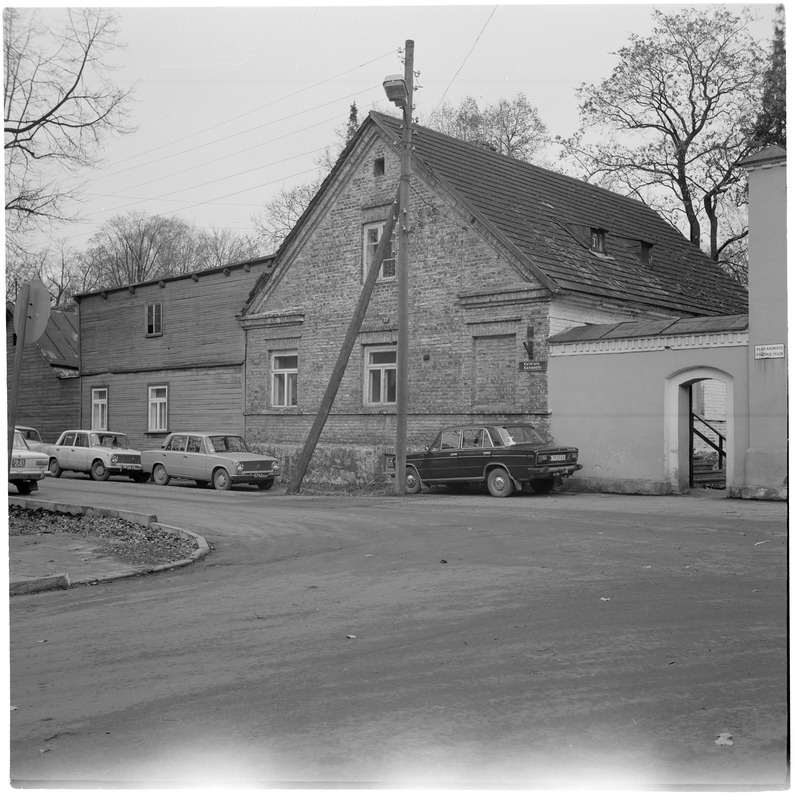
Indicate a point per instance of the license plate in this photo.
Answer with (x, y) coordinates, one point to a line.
(18, 462)
(133, 466)
(257, 475)
(558, 457)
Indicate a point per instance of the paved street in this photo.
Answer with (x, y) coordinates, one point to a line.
(570, 640)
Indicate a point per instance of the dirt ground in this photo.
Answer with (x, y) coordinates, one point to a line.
(440, 640)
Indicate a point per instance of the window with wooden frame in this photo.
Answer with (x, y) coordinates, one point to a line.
(597, 240)
(99, 408)
(372, 235)
(158, 408)
(380, 376)
(154, 319)
(284, 379)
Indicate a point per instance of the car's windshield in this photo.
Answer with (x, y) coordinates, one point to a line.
(19, 441)
(113, 440)
(229, 444)
(520, 434)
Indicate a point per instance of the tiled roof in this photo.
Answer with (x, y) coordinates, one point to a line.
(548, 217)
(657, 327)
(58, 344)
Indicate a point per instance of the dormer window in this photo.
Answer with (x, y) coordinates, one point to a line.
(597, 240)
(645, 253)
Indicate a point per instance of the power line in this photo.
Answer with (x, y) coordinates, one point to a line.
(493, 10)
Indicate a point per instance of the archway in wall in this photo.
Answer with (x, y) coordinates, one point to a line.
(699, 428)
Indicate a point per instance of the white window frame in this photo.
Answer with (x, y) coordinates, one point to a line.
(157, 408)
(99, 408)
(284, 381)
(382, 370)
(154, 319)
(368, 252)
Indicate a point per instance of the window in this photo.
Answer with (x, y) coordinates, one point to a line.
(381, 376)
(154, 319)
(81, 440)
(68, 440)
(372, 234)
(645, 253)
(158, 408)
(99, 409)
(379, 167)
(177, 443)
(597, 240)
(194, 444)
(284, 380)
(475, 438)
(448, 440)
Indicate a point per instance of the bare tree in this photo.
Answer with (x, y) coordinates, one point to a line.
(511, 127)
(220, 246)
(674, 119)
(59, 107)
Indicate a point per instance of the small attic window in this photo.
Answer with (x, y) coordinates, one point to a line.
(645, 253)
(379, 166)
(597, 240)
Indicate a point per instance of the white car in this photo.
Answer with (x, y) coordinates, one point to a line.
(28, 466)
(99, 453)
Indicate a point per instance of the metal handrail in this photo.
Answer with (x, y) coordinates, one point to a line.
(721, 437)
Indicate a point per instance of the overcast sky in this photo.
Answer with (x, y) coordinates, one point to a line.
(233, 104)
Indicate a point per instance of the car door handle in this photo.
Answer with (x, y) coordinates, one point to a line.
(487, 452)
(453, 455)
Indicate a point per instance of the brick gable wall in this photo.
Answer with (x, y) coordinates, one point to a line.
(464, 352)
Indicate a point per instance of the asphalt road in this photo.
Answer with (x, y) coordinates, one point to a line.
(567, 641)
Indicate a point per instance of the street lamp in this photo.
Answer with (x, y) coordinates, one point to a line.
(400, 91)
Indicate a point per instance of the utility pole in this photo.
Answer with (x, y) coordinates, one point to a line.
(403, 277)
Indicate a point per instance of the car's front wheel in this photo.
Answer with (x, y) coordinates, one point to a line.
(160, 476)
(99, 472)
(413, 482)
(221, 480)
(54, 469)
(542, 485)
(499, 483)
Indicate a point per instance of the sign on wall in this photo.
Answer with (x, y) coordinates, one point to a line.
(769, 351)
(532, 366)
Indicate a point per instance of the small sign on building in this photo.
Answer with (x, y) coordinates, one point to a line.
(769, 351)
(532, 366)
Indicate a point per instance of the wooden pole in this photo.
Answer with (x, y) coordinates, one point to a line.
(345, 351)
(402, 394)
(21, 307)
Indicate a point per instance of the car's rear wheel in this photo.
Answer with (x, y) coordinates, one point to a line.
(54, 469)
(542, 485)
(499, 483)
(265, 485)
(221, 480)
(25, 487)
(160, 476)
(413, 482)
(140, 477)
(99, 472)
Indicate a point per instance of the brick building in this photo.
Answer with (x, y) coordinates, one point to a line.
(503, 254)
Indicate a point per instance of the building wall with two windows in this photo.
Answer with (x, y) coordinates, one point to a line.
(472, 320)
(165, 355)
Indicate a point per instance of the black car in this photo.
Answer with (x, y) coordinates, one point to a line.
(504, 457)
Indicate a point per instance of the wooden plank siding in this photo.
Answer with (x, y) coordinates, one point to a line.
(199, 323)
(46, 401)
(198, 399)
(199, 355)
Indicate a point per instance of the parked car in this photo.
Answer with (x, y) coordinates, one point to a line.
(99, 453)
(28, 466)
(33, 438)
(505, 457)
(222, 459)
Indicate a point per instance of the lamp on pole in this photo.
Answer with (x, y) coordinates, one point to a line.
(400, 91)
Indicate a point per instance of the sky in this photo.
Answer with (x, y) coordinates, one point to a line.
(233, 104)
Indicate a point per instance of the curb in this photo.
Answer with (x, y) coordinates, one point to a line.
(61, 581)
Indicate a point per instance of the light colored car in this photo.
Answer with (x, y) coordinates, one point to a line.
(99, 453)
(222, 459)
(28, 466)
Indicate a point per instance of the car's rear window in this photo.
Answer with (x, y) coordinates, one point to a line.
(520, 434)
